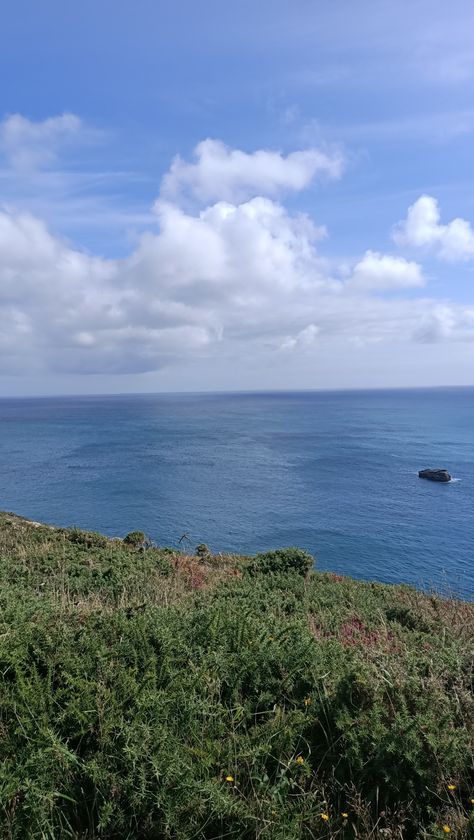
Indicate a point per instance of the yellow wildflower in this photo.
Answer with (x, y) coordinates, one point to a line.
(229, 779)
(451, 787)
(472, 801)
(307, 701)
(324, 817)
(344, 815)
(300, 760)
(446, 829)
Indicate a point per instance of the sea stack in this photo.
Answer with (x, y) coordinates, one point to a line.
(435, 475)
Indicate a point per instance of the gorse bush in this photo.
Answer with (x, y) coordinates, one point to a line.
(281, 560)
(258, 706)
(88, 538)
(136, 539)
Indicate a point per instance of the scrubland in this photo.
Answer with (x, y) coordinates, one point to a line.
(148, 693)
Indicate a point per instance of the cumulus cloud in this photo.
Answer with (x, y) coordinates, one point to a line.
(245, 275)
(303, 339)
(381, 272)
(29, 145)
(220, 173)
(422, 228)
(64, 310)
(445, 322)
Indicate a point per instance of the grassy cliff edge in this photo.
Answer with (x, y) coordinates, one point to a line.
(152, 694)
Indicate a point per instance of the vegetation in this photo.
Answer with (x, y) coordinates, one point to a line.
(281, 560)
(148, 694)
(137, 539)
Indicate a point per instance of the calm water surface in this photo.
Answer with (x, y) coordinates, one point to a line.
(335, 473)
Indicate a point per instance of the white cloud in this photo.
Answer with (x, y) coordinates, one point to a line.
(303, 339)
(381, 272)
(453, 242)
(235, 277)
(221, 173)
(445, 322)
(29, 145)
(241, 276)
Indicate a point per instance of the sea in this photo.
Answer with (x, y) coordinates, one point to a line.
(333, 472)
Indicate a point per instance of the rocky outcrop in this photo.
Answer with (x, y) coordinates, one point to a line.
(435, 475)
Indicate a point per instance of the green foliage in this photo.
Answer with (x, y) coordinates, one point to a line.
(406, 617)
(282, 560)
(136, 539)
(135, 706)
(203, 551)
(88, 538)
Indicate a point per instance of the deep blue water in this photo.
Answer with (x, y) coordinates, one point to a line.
(335, 473)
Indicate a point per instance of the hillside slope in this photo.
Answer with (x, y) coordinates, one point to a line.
(149, 694)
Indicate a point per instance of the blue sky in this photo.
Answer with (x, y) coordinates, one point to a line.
(279, 249)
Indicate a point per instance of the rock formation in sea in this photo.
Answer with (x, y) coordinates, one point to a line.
(435, 475)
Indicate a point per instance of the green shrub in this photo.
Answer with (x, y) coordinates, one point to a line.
(203, 551)
(136, 539)
(406, 617)
(90, 539)
(282, 560)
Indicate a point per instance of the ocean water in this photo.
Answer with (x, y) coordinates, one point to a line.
(335, 473)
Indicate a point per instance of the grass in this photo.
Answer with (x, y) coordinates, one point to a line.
(149, 694)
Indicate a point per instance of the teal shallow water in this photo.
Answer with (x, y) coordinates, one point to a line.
(335, 473)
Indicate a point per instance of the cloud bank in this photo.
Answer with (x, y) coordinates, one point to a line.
(237, 270)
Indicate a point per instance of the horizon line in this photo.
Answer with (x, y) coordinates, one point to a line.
(238, 392)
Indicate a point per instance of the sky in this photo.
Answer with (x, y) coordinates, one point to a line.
(205, 196)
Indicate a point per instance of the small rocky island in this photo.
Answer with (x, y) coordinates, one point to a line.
(435, 475)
